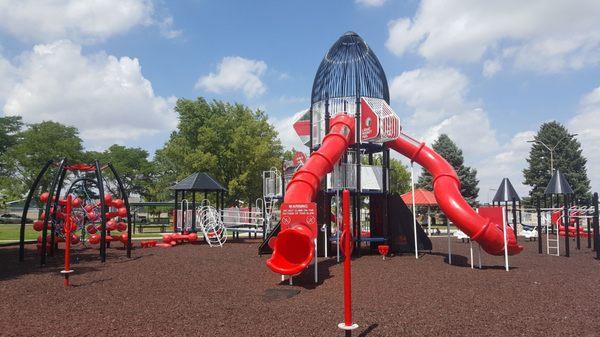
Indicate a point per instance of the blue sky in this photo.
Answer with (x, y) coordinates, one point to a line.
(487, 73)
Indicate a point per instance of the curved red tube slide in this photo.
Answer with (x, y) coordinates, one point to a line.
(293, 249)
(446, 188)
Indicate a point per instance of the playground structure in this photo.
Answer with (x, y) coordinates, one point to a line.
(350, 116)
(215, 221)
(80, 203)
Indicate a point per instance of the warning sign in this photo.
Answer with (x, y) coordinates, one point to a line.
(296, 214)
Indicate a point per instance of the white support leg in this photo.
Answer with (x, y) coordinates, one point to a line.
(449, 243)
(316, 269)
(325, 239)
(505, 241)
(479, 255)
(414, 208)
(471, 250)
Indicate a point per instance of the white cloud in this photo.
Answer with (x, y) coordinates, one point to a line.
(105, 97)
(491, 67)
(287, 135)
(587, 124)
(235, 73)
(370, 3)
(541, 35)
(437, 103)
(167, 30)
(80, 21)
(508, 162)
(433, 93)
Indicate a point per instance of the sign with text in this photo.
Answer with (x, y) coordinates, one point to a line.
(301, 213)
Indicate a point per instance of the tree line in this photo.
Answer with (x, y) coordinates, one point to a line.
(234, 144)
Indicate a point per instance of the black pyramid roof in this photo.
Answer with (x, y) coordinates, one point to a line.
(558, 184)
(200, 182)
(506, 192)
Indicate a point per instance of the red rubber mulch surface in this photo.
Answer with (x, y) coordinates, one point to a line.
(195, 290)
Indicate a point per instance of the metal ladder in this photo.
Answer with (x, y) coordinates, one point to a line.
(552, 245)
(211, 225)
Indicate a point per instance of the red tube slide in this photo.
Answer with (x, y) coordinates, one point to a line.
(293, 248)
(446, 188)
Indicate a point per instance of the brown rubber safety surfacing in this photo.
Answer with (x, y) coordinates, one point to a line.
(195, 290)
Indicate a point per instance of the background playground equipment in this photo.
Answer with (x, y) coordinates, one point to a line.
(96, 212)
(560, 207)
(350, 116)
(214, 222)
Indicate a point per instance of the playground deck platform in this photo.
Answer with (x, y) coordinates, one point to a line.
(202, 291)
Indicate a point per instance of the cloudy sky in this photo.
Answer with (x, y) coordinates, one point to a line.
(485, 72)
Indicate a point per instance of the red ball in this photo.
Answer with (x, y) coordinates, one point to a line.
(76, 202)
(38, 225)
(111, 225)
(44, 197)
(121, 226)
(75, 239)
(88, 208)
(94, 239)
(123, 238)
(91, 216)
(167, 238)
(107, 199)
(118, 203)
(122, 212)
(91, 229)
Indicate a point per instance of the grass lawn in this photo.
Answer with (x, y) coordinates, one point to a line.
(10, 232)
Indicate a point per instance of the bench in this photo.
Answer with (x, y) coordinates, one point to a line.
(162, 226)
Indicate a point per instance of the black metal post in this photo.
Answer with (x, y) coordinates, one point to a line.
(514, 215)
(54, 214)
(175, 216)
(589, 231)
(47, 211)
(103, 211)
(194, 212)
(596, 226)
(327, 113)
(384, 177)
(539, 224)
(358, 169)
(125, 197)
(311, 142)
(566, 224)
(578, 239)
(32, 190)
(552, 206)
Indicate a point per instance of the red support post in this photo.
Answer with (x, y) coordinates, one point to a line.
(67, 227)
(348, 326)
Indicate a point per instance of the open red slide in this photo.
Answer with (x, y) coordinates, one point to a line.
(446, 188)
(293, 248)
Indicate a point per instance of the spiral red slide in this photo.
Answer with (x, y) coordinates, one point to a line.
(446, 187)
(293, 248)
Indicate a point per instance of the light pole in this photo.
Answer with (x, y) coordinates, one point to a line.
(552, 148)
(488, 194)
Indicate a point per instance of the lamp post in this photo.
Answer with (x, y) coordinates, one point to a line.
(552, 148)
(488, 195)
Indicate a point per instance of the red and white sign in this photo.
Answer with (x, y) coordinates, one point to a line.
(369, 121)
(299, 214)
(299, 158)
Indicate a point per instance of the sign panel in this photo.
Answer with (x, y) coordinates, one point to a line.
(369, 121)
(301, 213)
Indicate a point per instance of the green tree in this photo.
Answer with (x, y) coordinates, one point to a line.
(446, 148)
(132, 164)
(399, 177)
(38, 144)
(9, 132)
(229, 141)
(567, 157)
